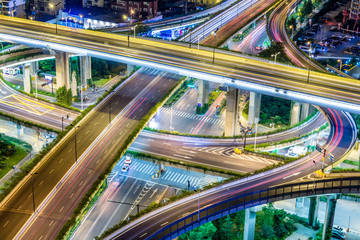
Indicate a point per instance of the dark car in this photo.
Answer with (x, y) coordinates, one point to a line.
(337, 43)
(334, 29)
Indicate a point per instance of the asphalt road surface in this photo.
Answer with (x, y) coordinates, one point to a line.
(135, 97)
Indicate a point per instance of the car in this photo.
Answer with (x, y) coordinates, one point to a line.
(125, 169)
(340, 229)
(293, 155)
(127, 160)
(310, 34)
(338, 235)
(334, 29)
(348, 51)
(258, 48)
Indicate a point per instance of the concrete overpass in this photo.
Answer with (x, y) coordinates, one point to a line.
(223, 67)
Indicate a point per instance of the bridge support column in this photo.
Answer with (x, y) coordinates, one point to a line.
(295, 113)
(20, 130)
(203, 97)
(313, 210)
(254, 107)
(27, 78)
(329, 216)
(173, 35)
(232, 111)
(305, 109)
(249, 227)
(85, 70)
(129, 69)
(62, 69)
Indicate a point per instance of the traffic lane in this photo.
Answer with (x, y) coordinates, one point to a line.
(89, 130)
(198, 157)
(97, 219)
(350, 95)
(272, 178)
(51, 117)
(103, 152)
(60, 157)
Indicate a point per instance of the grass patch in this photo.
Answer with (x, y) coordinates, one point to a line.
(14, 159)
(101, 82)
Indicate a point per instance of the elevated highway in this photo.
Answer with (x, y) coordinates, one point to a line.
(230, 68)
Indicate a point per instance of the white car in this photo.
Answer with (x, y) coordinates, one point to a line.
(293, 155)
(127, 160)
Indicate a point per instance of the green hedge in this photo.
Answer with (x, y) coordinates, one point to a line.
(27, 167)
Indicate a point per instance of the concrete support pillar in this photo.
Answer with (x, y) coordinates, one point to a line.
(313, 210)
(20, 130)
(62, 69)
(203, 96)
(249, 227)
(329, 217)
(299, 203)
(27, 78)
(305, 107)
(130, 68)
(85, 70)
(295, 113)
(254, 107)
(173, 31)
(232, 111)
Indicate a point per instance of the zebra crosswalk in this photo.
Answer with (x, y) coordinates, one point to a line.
(170, 175)
(193, 116)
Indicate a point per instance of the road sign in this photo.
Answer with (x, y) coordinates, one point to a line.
(331, 157)
(318, 147)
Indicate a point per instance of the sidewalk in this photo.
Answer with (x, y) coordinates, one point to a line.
(302, 233)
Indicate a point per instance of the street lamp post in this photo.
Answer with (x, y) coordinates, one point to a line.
(134, 30)
(76, 127)
(275, 55)
(131, 14)
(256, 129)
(12, 12)
(292, 31)
(341, 65)
(52, 6)
(32, 188)
(214, 36)
(309, 43)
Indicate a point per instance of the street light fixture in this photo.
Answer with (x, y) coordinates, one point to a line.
(135, 30)
(292, 31)
(341, 65)
(275, 55)
(76, 127)
(309, 43)
(214, 37)
(11, 12)
(32, 188)
(52, 6)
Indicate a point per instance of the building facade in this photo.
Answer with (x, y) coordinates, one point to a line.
(141, 8)
(15, 8)
(96, 3)
(354, 9)
(38, 8)
(205, 2)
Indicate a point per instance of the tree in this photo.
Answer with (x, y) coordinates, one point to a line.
(206, 232)
(224, 228)
(274, 48)
(47, 65)
(140, 29)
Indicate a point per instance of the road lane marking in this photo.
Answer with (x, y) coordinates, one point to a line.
(51, 171)
(81, 183)
(239, 164)
(70, 150)
(51, 223)
(72, 195)
(87, 132)
(6, 223)
(61, 209)
(89, 171)
(143, 235)
(41, 182)
(98, 161)
(61, 160)
(30, 195)
(164, 224)
(106, 150)
(120, 133)
(153, 193)
(294, 174)
(142, 144)
(177, 155)
(19, 208)
(113, 142)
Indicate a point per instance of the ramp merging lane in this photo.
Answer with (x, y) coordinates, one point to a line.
(133, 99)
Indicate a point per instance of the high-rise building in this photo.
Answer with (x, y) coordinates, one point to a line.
(354, 9)
(15, 8)
(38, 8)
(71, 4)
(96, 3)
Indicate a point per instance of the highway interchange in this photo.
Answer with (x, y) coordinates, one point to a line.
(46, 224)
